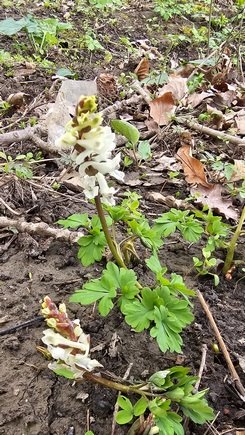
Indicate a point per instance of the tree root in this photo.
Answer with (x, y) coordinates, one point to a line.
(40, 229)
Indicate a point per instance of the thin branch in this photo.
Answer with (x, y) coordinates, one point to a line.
(235, 377)
(211, 132)
(135, 99)
(201, 368)
(41, 229)
(22, 325)
(210, 22)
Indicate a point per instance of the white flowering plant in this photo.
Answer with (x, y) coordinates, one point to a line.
(164, 309)
(164, 398)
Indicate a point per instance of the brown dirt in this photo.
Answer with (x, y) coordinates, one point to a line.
(33, 401)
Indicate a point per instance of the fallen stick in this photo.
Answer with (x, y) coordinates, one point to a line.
(135, 99)
(15, 328)
(41, 229)
(235, 377)
(211, 131)
(201, 368)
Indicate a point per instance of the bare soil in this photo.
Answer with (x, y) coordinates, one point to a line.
(33, 401)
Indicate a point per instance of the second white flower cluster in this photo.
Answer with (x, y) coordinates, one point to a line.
(92, 146)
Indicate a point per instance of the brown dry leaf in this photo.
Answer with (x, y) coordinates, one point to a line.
(177, 86)
(222, 100)
(107, 86)
(240, 121)
(193, 168)
(142, 70)
(213, 199)
(239, 171)
(195, 99)
(168, 200)
(240, 432)
(162, 108)
(16, 100)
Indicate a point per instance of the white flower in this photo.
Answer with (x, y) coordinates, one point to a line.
(99, 140)
(89, 185)
(104, 166)
(52, 338)
(62, 350)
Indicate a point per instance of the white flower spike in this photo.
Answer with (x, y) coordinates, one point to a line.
(92, 146)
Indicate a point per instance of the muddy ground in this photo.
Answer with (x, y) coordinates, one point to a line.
(33, 401)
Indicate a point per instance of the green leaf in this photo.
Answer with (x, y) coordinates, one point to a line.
(125, 404)
(149, 236)
(65, 72)
(139, 314)
(170, 424)
(144, 150)
(10, 27)
(91, 248)
(98, 289)
(176, 395)
(126, 129)
(154, 264)
(63, 371)
(196, 408)
(74, 221)
(159, 378)
(166, 331)
(124, 417)
(140, 406)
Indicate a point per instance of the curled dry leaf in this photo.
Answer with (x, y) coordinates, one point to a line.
(177, 86)
(142, 70)
(107, 86)
(195, 99)
(240, 121)
(239, 171)
(193, 168)
(165, 105)
(162, 108)
(213, 199)
(16, 100)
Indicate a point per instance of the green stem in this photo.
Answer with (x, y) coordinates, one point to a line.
(232, 245)
(111, 243)
(115, 385)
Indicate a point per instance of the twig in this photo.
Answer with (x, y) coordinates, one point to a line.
(210, 426)
(16, 213)
(41, 229)
(239, 45)
(210, 22)
(211, 132)
(12, 329)
(28, 133)
(135, 99)
(202, 366)
(235, 377)
(136, 86)
(126, 375)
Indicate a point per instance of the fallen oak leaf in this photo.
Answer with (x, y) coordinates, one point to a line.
(162, 108)
(240, 121)
(195, 99)
(238, 171)
(142, 70)
(192, 167)
(213, 199)
(177, 86)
